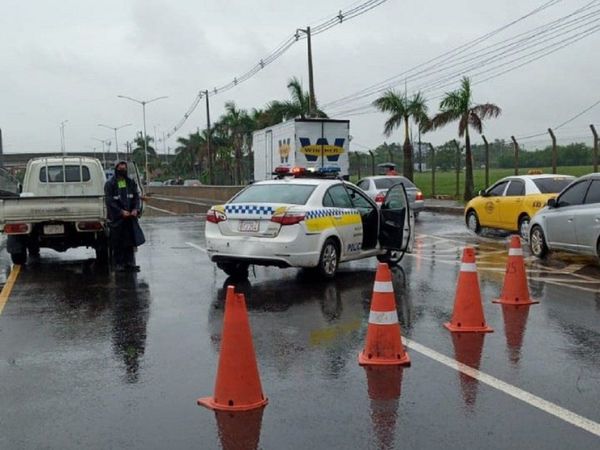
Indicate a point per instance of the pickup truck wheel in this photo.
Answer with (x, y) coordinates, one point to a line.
(234, 269)
(102, 251)
(19, 258)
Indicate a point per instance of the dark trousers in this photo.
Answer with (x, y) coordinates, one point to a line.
(123, 255)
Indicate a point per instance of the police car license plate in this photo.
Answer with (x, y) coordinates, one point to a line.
(54, 229)
(249, 226)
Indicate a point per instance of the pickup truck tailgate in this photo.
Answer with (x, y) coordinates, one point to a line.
(43, 209)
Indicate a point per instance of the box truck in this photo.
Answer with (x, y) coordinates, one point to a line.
(308, 143)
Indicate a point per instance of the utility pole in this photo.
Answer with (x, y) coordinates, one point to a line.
(554, 150)
(312, 101)
(432, 148)
(595, 155)
(420, 153)
(487, 161)
(1, 151)
(372, 163)
(516, 147)
(208, 143)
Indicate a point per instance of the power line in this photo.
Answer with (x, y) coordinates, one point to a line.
(343, 15)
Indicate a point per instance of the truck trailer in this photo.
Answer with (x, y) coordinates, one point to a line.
(308, 143)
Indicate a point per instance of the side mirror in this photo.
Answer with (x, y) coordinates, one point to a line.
(552, 203)
(482, 194)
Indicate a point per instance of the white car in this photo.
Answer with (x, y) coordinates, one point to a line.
(303, 222)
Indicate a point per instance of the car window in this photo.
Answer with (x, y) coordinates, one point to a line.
(55, 174)
(593, 194)
(498, 189)
(359, 201)
(386, 183)
(552, 185)
(363, 184)
(574, 194)
(294, 194)
(515, 188)
(337, 197)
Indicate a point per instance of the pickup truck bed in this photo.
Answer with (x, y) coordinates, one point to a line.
(47, 209)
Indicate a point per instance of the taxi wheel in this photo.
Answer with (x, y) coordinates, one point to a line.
(328, 261)
(524, 227)
(537, 243)
(234, 269)
(473, 222)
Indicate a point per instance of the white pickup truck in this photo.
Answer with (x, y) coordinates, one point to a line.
(61, 206)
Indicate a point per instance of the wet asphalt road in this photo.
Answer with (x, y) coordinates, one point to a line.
(90, 359)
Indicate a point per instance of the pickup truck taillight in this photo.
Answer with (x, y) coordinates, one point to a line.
(288, 218)
(89, 226)
(214, 216)
(16, 228)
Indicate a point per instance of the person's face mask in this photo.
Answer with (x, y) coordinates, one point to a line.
(122, 173)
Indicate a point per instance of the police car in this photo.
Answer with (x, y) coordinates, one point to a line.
(305, 222)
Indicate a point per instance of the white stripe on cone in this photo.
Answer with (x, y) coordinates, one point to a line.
(383, 317)
(515, 252)
(383, 287)
(468, 267)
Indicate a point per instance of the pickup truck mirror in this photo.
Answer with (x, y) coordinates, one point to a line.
(552, 203)
(20, 188)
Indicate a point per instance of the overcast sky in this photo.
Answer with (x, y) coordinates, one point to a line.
(69, 60)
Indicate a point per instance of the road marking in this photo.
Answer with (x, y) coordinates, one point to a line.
(197, 247)
(7, 289)
(161, 210)
(515, 392)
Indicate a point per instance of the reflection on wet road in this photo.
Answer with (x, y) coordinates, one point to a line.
(93, 360)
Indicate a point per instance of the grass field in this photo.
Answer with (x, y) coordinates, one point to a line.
(445, 182)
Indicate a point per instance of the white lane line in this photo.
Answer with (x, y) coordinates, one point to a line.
(161, 210)
(196, 246)
(515, 392)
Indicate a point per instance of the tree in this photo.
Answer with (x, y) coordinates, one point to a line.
(190, 153)
(298, 106)
(458, 105)
(139, 158)
(402, 109)
(237, 125)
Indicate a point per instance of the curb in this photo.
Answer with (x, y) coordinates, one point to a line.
(455, 210)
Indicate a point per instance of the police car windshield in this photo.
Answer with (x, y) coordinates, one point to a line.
(552, 185)
(294, 194)
(386, 183)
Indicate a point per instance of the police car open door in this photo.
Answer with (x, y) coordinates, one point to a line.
(395, 228)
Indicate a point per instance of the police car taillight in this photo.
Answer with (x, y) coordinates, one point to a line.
(288, 218)
(379, 198)
(419, 196)
(214, 216)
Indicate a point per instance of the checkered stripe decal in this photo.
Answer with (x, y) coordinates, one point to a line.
(254, 210)
(326, 212)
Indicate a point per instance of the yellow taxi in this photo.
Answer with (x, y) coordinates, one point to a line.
(511, 202)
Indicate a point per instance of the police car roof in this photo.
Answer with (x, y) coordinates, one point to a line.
(537, 176)
(300, 180)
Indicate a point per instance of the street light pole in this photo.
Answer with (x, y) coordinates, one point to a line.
(103, 151)
(62, 137)
(115, 129)
(144, 103)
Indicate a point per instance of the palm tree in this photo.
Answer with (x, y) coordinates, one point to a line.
(138, 156)
(298, 106)
(237, 126)
(458, 105)
(190, 152)
(402, 109)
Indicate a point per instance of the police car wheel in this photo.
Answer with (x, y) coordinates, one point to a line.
(328, 261)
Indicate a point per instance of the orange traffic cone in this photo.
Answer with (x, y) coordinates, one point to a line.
(467, 315)
(515, 290)
(238, 385)
(384, 341)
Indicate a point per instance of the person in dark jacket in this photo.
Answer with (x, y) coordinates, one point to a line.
(123, 206)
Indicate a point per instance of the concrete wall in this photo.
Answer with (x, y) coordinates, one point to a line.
(217, 193)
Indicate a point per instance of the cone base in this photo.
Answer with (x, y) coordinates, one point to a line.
(363, 360)
(209, 402)
(504, 301)
(455, 329)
